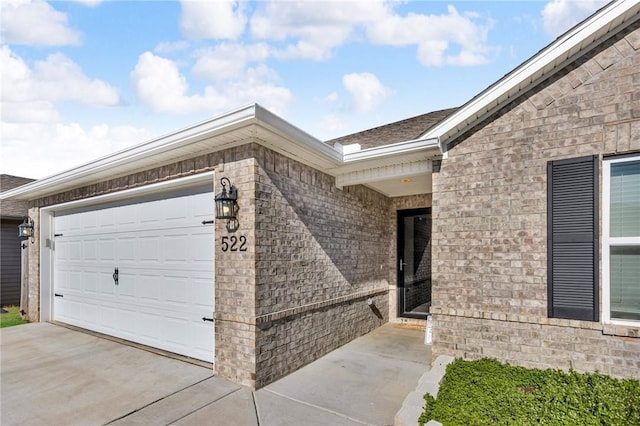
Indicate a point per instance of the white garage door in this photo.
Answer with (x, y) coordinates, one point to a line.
(141, 270)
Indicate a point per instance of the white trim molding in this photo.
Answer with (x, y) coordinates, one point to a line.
(608, 241)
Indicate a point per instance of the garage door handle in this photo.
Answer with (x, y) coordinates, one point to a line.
(115, 276)
(207, 319)
(58, 295)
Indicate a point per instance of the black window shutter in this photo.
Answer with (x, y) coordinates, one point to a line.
(572, 238)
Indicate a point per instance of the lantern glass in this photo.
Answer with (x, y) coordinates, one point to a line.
(226, 201)
(224, 208)
(25, 229)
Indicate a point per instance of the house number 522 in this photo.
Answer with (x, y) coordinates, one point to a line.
(234, 243)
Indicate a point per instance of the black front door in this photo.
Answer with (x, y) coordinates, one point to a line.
(414, 263)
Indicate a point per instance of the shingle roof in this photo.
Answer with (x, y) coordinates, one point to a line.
(400, 131)
(13, 208)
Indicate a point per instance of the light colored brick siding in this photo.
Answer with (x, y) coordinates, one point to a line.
(320, 253)
(315, 254)
(490, 218)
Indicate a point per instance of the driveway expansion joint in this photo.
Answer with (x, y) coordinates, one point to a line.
(160, 399)
(326, 410)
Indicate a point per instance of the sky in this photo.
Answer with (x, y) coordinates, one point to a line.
(86, 78)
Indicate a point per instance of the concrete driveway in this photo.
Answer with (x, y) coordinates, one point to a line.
(51, 375)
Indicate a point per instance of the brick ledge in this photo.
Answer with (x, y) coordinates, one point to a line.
(274, 316)
(606, 329)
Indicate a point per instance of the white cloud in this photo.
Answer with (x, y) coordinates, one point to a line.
(15, 77)
(435, 36)
(29, 112)
(89, 3)
(30, 117)
(35, 22)
(61, 145)
(366, 90)
(161, 86)
(57, 78)
(331, 98)
(219, 19)
(313, 28)
(559, 16)
(228, 60)
(331, 124)
(170, 47)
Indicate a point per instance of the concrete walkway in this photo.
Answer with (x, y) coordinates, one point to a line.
(55, 376)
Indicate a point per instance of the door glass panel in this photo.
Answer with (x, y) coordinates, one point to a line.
(415, 264)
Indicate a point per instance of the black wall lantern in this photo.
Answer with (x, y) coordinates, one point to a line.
(25, 229)
(227, 205)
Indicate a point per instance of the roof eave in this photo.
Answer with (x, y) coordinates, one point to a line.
(566, 48)
(253, 119)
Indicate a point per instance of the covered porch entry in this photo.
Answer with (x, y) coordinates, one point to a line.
(406, 179)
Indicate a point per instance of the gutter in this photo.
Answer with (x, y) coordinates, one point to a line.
(406, 147)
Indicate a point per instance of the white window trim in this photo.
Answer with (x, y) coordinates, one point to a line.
(608, 241)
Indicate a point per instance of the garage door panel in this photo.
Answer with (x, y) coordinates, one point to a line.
(147, 288)
(90, 249)
(202, 248)
(107, 318)
(127, 248)
(89, 313)
(176, 249)
(149, 328)
(201, 295)
(127, 288)
(75, 251)
(164, 257)
(107, 250)
(91, 283)
(149, 249)
(175, 291)
(107, 285)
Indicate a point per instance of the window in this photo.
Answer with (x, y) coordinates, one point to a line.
(621, 239)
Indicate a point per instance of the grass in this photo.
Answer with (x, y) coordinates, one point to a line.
(12, 317)
(487, 392)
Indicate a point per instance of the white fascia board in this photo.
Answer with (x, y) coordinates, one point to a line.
(296, 135)
(390, 150)
(143, 156)
(135, 154)
(289, 140)
(527, 74)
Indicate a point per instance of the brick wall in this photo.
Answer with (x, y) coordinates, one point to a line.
(490, 226)
(321, 253)
(235, 279)
(315, 255)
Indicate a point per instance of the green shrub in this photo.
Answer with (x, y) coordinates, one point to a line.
(485, 392)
